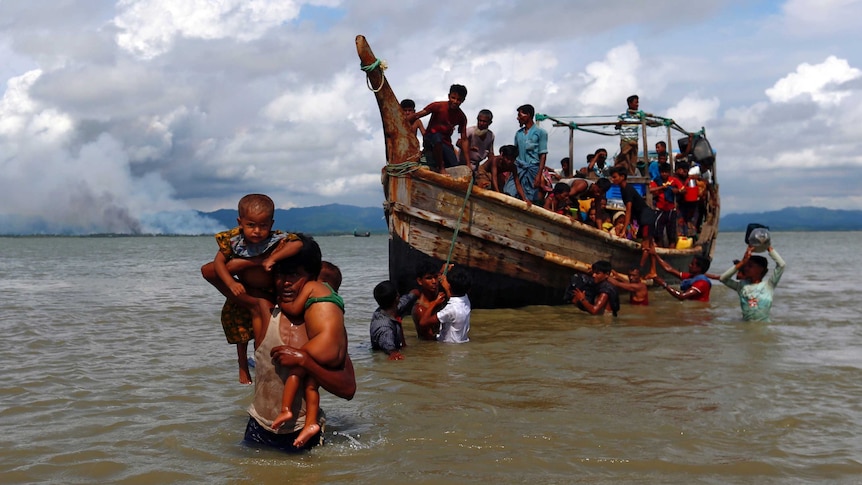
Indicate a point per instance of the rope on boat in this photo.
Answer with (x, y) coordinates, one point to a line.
(458, 226)
(402, 169)
(374, 65)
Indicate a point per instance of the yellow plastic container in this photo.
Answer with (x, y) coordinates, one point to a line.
(683, 242)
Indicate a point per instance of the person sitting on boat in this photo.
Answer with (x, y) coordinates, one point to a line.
(665, 190)
(454, 316)
(636, 210)
(480, 140)
(532, 144)
(599, 295)
(408, 106)
(618, 226)
(695, 284)
(629, 129)
(638, 291)
(507, 163)
(755, 294)
(445, 116)
(427, 279)
(596, 166)
(387, 333)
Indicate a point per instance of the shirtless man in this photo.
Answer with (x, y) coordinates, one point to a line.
(638, 291)
(427, 277)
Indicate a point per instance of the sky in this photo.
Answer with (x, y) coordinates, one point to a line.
(128, 116)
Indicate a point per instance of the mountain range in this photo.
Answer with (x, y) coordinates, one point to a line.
(346, 219)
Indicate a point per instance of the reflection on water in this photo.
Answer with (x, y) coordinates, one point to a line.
(117, 371)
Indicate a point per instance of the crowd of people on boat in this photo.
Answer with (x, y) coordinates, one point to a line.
(679, 194)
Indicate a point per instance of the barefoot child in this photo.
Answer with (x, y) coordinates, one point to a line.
(254, 242)
(324, 321)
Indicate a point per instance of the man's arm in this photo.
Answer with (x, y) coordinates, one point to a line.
(285, 249)
(520, 189)
(664, 264)
(593, 309)
(688, 294)
(340, 382)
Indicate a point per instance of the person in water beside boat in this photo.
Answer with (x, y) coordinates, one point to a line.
(454, 316)
(445, 117)
(638, 290)
(408, 106)
(755, 293)
(282, 348)
(695, 284)
(323, 309)
(258, 247)
(480, 140)
(428, 283)
(595, 295)
(637, 210)
(532, 145)
(387, 333)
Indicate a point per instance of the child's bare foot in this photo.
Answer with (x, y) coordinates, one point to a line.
(244, 375)
(282, 418)
(649, 276)
(306, 434)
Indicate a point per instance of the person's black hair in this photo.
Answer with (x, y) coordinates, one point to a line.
(527, 109)
(662, 144)
(681, 164)
(459, 280)
(334, 274)
(619, 170)
(458, 89)
(702, 262)
(631, 98)
(604, 184)
(509, 151)
(565, 161)
(408, 104)
(602, 267)
(486, 112)
(385, 294)
(427, 267)
(561, 188)
(308, 258)
(664, 167)
(760, 261)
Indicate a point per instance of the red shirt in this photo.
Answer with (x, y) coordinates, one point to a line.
(702, 286)
(443, 120)
(662, 202)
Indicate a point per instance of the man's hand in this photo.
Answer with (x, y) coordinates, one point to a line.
(287, 356)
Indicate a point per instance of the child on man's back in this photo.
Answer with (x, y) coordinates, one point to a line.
(252, 248)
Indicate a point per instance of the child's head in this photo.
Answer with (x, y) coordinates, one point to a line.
(618, 174)
(664, 171)
(699, 264)
(457, 95)
(600, 188)
(330, 274)
(408, 106)
(386, 294)
(561, 191)
(427, 273)
(757, 265)
(255, 217)
(619, 219)
(565, 165)
(661, 147)
(459, 281)
(509, 152)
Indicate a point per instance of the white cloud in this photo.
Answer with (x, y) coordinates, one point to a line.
(612, 79)
(149, 27)
(819, 81)
(694, 111)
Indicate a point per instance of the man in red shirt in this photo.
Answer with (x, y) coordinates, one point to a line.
(445, 116)
(665, 189)
(695, 283)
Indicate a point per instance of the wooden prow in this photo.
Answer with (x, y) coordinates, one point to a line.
(401, 142)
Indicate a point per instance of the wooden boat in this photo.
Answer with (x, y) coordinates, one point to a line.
(361, 234)
(517, 255)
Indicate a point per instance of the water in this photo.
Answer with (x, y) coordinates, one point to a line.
(116, 371)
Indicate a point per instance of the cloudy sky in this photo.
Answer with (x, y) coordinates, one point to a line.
(114, 114)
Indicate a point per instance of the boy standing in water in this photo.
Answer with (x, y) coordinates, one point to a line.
(454, 317)
(427, 278)
(260, 248)
(755, 294)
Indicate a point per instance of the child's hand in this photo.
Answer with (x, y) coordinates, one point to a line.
(268, 264)
(237, 288)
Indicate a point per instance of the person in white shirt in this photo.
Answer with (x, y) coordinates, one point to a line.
(454, 316)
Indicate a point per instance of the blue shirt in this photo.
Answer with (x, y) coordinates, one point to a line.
(531, 144)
